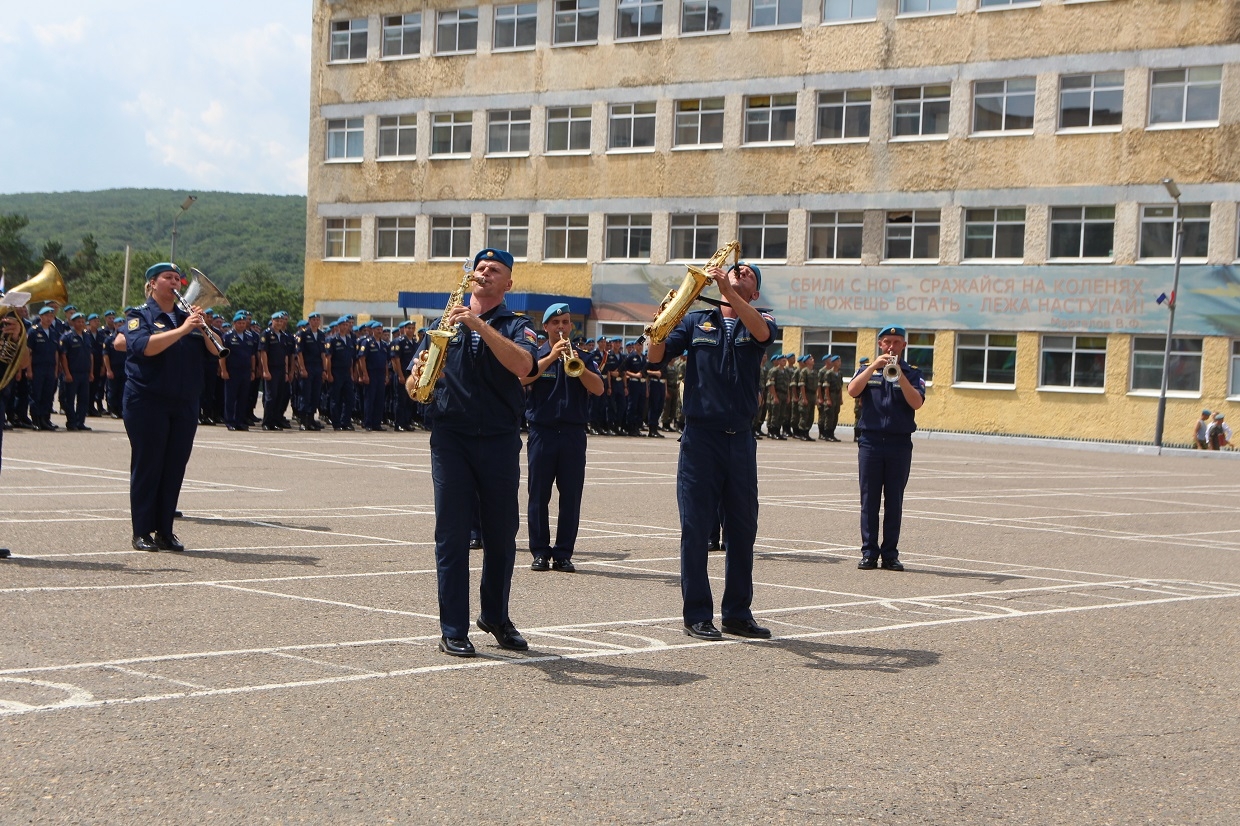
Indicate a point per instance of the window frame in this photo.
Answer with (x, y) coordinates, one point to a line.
(781, 8)
(852, 17)
(725, 25)
(770, 223)
(703, 232)
(914, 224)
(574, 227)
(578, 14)
(1186, 85)
(845, 106)
(350, 129)
(569, 120)
(641, 7)
(350, 33)
(459, 120)
(1006, 95)
(349, 235)
(460, 23)
(775, 110)
(386, 26)
(816, 220)
(1075, 369)
(518, 18)
(1233, 372)
(514, 237)
(510, 127)
(633, 118)
(987, 347)
(1094, 89)
(706, 108)
(921, 101)
(995, 223)
(1178, 356)
(632, 232)
(456, 228)
(1083, 222)
(929, 11)
(401, 130)
(917, 341)
(406, 225)
(1005, 5)
(1192, 230)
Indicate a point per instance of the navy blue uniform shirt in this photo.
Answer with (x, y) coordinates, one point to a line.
(376, 355)
(476, 394)
(240, 351)
(77, 351)
(556, 398)
(310, 345)
(722, 372)
(43, 347)
(176, 373)
(341, 353)
(883, 407)
(277, 350)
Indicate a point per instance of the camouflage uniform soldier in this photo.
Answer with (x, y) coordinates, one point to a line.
(671, 401)
(777, 404)
(796, 391)
(830, 397)
(763, 374)
(809, 382)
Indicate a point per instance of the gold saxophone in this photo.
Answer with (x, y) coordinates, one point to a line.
(677, 301)
(432, 357)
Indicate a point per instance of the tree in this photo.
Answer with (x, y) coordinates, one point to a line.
(258, 291)
(54, 251)
(16, 257)
(85, 260)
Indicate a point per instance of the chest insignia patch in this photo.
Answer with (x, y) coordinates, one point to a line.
(707, 327)
(133, 323)
(159, 324)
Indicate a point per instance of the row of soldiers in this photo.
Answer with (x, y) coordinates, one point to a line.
(794, 391)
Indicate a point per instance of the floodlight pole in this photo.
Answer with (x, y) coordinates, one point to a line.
(189, 202)
(1160, 419)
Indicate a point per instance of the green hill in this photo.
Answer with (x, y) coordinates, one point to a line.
(224, 234)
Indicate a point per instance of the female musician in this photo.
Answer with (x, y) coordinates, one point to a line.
(163, 382)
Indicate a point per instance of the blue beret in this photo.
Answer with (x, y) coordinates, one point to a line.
(1205, 412)
(555, 310)
(502, 256)
(92, 317)
(239, 315)
(864, 360)
(892, 330)
(109, 312)
(630, 342)
(403, 325)
(542, 337)
(313, 315)
(68, 307)
(279, 314)
(47, 310)
(805, 358)
(757, 273)
(616, 339)
(164, 266)
(303, 323)
(76, 316)
(344, 319)
(833, 357)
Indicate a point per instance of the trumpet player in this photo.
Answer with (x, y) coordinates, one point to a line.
(891, 391)
(557, 409)
(718, 468)
(475, 414)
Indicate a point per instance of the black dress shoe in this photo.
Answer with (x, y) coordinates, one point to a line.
(143, 542)
(891, 565)
(540, 563)
(4, 553)
(270, 428)
(867, 565)
(746, 628)
(506, 635)
(703, 631)
(84, 427)
(457, 646)
(565, 565)
(168, 542)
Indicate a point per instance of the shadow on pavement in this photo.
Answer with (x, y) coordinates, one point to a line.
(829, 657)
(802, 557)
(77, 565)
(249, 523)
(243, 558)
(670, 578)
(594, 674)
(994, 578)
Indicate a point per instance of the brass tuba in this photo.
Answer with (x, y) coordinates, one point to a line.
(48, 285)
(432, 357)
(677, 301)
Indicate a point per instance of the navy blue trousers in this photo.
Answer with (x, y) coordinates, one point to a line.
(557, 456)
(474, 475)
(635, 406)
(77, 400)
(373, 398)
(275, 399)
(883, 464)
(161, 436)
(340, 392)
(718, 472)
(654, 407)
(236, 397)
(311, 391)
(42, 391)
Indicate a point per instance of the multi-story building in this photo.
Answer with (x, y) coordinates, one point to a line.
(985, 172)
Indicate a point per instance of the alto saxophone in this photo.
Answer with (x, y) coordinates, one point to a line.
(432, 357)
(677, 301)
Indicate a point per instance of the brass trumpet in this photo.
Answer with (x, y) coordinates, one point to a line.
(892, 371)
(573, 365)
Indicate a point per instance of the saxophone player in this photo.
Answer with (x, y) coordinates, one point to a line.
(718, 468)
(476, 413)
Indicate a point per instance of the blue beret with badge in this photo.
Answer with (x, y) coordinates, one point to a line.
(240, 314)
(502, 256)
(555, 310)
(153, 271)
(47, 310)
(892, 330)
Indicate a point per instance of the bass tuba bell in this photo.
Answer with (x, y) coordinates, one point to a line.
(48, 285)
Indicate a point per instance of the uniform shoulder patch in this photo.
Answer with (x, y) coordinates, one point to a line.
(531, 336)
(133, 323)
(768, 316)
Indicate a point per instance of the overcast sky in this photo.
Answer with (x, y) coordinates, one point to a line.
(175, 94)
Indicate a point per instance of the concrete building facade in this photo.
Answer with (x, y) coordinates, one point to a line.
(986, 173)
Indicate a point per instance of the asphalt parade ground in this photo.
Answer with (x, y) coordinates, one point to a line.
(1063, 648)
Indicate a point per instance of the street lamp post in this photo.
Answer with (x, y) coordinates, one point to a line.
(189, 202)
(1174, 192)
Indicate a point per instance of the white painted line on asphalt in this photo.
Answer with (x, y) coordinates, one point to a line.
(334, 602)
(146, 675)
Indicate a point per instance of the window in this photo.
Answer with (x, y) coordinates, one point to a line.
(920, 353)
(638, 18)
(509, 232)
(628, 237)
(702, 16)
(926, 6)
(994, 233)
(921, 110)
(348, 40)
(1185, 96)
(987, 4)
(842, 343)
(1074, 361)
(456, 31)
(1158, 231)
(632, 126)
(767, 14)
(835, 236)
(1003, 105)
(1234, 383)
(986, 358)
(394, 237)
(344, 139)
(843, 11)
(450, 237)
(1091, 101)
(402, 34)
(694, 237)
(515, 27)
(451, 133)
(398, 136)
(844, 115)
(770, 118)
(1082, 232)
(344, 238)
(764, 235)
(1184, 373)
(568, 129)
(565, 237)
(576, 21)
(508, 133)
(913, 235)
(699, 122)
